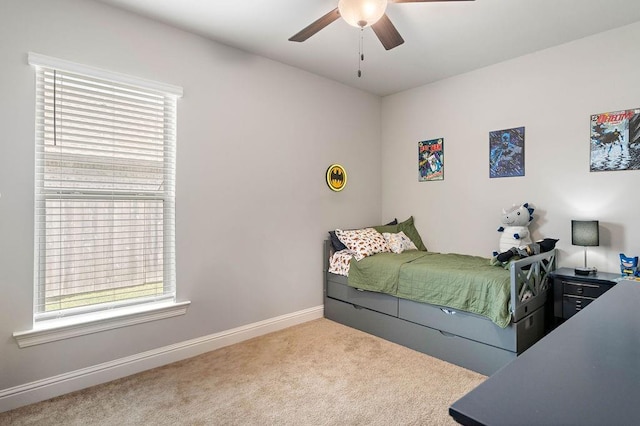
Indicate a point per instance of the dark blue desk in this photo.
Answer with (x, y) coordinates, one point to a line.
(586, 372)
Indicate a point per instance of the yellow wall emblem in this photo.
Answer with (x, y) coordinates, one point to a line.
(336, 177)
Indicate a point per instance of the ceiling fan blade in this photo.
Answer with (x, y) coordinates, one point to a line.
(387, 33)
(422, 1)
(316, 26)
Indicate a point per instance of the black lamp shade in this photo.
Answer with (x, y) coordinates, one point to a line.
(585, 233)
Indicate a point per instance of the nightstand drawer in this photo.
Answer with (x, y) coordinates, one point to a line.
(573, 292)
(584, 289)
(571, 305)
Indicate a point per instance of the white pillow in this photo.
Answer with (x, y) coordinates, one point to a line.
(399, 242)
(340, 262)
(363, 242)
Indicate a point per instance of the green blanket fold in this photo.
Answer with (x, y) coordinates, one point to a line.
(466, 283)
(380, 272)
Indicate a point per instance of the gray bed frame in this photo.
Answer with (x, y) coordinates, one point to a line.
(462, 338)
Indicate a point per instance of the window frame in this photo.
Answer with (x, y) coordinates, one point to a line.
(50, 327)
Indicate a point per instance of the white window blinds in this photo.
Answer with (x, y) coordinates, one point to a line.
(105, 191)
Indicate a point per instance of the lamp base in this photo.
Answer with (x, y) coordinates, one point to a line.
(585, 271)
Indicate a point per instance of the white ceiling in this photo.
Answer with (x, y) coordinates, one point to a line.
(441, 39)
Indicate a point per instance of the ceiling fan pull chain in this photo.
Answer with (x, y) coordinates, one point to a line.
(360, 53)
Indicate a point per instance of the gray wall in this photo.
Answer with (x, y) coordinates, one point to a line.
(255, 138)
(552, 93)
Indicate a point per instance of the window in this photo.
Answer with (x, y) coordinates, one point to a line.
(105, 190)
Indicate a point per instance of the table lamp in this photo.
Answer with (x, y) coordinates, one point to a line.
(585, 233)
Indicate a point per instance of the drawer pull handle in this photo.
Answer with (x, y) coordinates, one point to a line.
(448, 311)
(580, 284)
(572, 296)
(445, 334)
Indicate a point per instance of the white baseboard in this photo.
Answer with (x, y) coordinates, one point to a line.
(40, 390)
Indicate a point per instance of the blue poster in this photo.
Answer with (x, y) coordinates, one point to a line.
(506, 153)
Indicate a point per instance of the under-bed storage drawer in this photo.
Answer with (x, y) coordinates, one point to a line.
(484, 359)
(516, 337)
(367, 299)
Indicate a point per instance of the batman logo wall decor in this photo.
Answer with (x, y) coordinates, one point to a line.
(336, 177)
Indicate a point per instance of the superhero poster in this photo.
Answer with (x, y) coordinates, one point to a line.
(431, 160)
(615, 141)
(506, 153)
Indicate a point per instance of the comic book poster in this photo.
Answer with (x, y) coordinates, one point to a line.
(615, 140)
(506, 153)
(431, 160)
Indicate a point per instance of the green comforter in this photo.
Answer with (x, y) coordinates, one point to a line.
(466, 283)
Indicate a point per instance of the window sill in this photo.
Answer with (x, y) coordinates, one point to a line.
(66, 328)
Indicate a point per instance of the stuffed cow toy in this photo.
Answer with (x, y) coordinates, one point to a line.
(515, 229)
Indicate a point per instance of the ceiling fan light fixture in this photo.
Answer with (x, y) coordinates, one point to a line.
(362, 13)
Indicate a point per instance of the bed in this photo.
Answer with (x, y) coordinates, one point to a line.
(455, 307)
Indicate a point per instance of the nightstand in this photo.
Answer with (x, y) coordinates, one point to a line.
(572, 293)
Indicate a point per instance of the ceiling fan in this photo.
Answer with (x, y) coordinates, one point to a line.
(362, 14)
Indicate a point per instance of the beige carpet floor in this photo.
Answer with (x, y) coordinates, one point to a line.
(316, 373)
